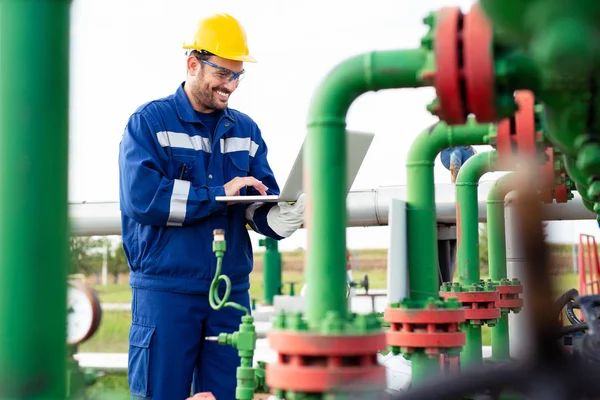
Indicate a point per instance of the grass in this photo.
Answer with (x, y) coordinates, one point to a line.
(112, 336)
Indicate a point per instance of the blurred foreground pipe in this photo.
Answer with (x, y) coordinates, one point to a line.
(34, 116)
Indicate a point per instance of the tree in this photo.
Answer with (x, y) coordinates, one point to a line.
(483, 247)
(119, 262)
(83, 260)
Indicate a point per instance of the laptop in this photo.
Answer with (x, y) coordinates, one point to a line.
(357, 145)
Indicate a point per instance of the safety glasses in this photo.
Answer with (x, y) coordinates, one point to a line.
(225, 74)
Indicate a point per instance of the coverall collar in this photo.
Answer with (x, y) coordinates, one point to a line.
(186, 112)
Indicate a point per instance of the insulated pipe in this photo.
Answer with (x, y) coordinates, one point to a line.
(519, 325)
(34, 252)
(497, 257)
(397, 266)
(468, 240)
(325, 169)
(421, 217)
(369, 207)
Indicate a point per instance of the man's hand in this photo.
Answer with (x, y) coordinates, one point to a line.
(202, 396)
(232, 188)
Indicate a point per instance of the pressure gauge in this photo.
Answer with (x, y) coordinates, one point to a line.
(83, 313)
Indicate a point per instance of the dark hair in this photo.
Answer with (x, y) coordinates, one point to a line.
(201, 55)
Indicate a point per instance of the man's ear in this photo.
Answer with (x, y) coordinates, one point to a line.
(193, 66)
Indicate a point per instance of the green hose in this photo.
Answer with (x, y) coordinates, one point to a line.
(217, 303)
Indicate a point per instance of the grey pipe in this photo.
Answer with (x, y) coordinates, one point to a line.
(518, 324)
(365, 208)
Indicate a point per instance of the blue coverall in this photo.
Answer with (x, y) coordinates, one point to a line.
(454, 157)
(171, 168)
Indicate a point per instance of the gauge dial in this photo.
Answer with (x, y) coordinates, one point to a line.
(83, 313)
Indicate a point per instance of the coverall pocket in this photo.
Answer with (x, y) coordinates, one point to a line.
(164, 236)
(240, 163)
(140, 337)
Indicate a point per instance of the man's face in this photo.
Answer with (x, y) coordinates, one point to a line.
(211, 83)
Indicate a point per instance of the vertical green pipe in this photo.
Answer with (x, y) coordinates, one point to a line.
(271, 269)
(467, 214)
(34, 115)
(497, 258)
(467, 255)
(325, 178)
(421, 217)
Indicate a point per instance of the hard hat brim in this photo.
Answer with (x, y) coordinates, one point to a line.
(247, 58)
(241, 57)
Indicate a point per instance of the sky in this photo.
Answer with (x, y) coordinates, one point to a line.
(125, 53)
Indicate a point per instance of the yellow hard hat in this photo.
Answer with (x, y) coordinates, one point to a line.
(221, 35)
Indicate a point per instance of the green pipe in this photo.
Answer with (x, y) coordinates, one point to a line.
(497, 257)
(34, 115)
(581, 182)
(467, 216)
(421, 217)
(325, 159)
(271, 269)
(560, 35)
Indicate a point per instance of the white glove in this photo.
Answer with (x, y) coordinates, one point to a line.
(286, 218)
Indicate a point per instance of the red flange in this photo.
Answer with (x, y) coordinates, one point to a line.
(479, 306)
(509, 297)
(516, 136)
(322, 363)
(525, 133)
(548, 171)
(429, 329)
(464, 62)
(479, 71)
(504, 142)
(447, 61)
(561, 194)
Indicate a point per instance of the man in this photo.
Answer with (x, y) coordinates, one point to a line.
(177, 154)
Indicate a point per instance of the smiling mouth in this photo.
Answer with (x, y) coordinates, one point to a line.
(222, 95)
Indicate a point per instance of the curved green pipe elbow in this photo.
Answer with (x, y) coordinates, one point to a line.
(420, 197)
(467, 217)
(496, 225)
(325, 178)
(467, 214)
(421, 218)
